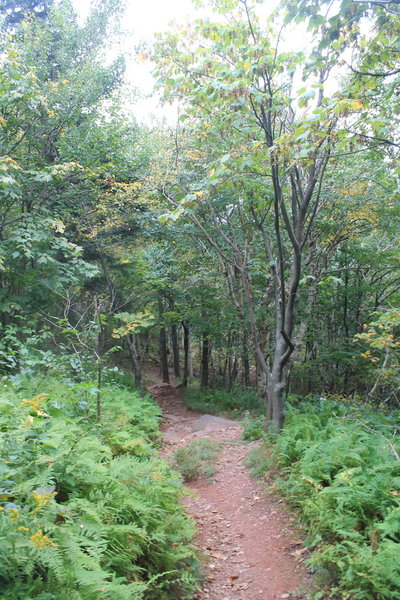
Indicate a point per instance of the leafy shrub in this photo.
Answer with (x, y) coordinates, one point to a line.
(87, 511)
(197, 459)
(254, 429)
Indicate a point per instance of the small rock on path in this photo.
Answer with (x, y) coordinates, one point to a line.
(212, 423)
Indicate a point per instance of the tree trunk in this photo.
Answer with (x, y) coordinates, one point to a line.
(164, 355)
(245, 361)
(98, 354)
(211, 371)
(136, 355)
(186, 350)
(233, 371)
(190, 359)
(276, 400)
(163, 344)
(205, 355)
(175, 350)
(225, 370)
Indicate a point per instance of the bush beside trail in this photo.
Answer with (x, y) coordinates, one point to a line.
(87, 509)
(340, 466)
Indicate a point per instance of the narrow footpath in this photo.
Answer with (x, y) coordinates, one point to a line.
(247, 539)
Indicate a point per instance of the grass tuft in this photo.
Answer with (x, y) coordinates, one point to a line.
(197, 459)
(261, 462)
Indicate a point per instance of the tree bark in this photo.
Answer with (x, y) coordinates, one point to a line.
(205, 356)
(163, 345)
(136, 355)
(233, 371)
(190, 358)
(175, 350)
(186, 350)
(245, 361)
(164, 355)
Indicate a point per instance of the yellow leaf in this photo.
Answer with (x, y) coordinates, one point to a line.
(356, 104)
(59, 226)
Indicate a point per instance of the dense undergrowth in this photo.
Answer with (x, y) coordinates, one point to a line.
(234, 404)
(339, 464)
(87, 510)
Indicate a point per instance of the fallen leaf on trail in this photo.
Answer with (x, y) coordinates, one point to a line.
(218, 555)
(299, 553)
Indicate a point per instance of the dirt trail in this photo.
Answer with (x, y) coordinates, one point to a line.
(246, 537)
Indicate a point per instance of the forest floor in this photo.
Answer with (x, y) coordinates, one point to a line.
(249, 542)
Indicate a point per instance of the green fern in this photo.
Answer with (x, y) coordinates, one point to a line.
(87, 514)
(339, 469)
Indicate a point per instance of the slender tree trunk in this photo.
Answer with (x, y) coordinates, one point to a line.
(136, 356)
(233, 372)
(229, 369)
(164, 355)
(347, 370)
(190, 358)
(245, 361)
(205, 356)
(98, 393)
(98, 354)
(285, 317)
(175, 350)
(163, 346)
(211, 370)
(186, 350)
(261, 363)
(224, 370)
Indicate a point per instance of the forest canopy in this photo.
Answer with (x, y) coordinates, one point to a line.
(248, 249)
(262, 225)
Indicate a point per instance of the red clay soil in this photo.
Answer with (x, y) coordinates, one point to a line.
(246, 537)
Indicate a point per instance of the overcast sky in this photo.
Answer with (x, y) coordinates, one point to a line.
(144, 18)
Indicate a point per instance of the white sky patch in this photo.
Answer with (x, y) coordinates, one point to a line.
(142, 20)
(145, 19)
